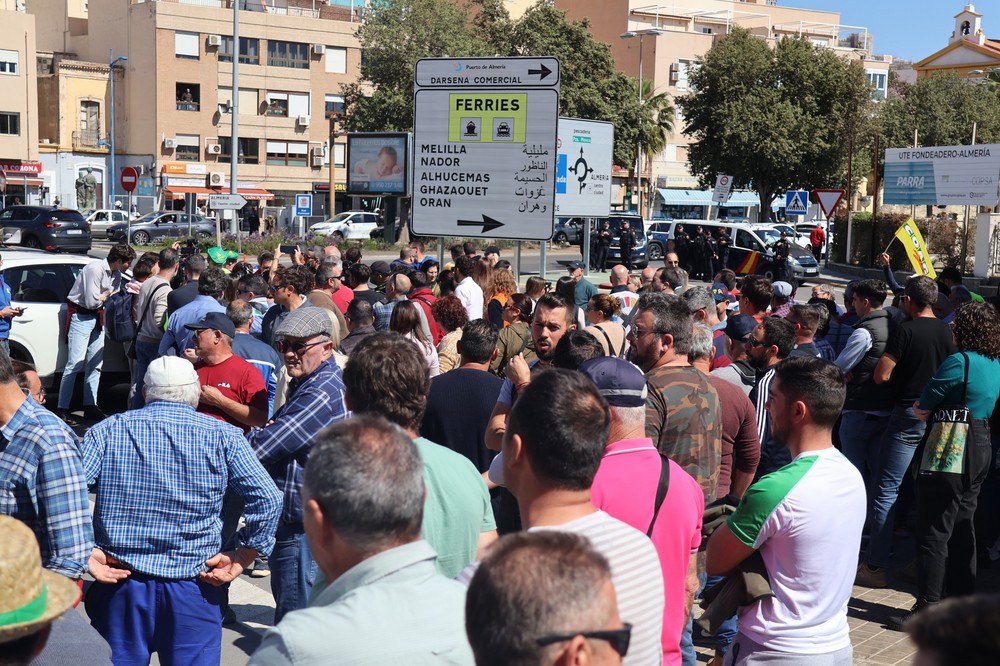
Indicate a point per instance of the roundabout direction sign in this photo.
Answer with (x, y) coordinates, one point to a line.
(484, 147)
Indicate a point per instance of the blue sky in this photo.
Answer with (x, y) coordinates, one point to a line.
(909, 29)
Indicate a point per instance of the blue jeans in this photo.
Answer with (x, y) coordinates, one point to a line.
(85, 354)
(293, 570)
(861, 441)
(145, 353)
(726, 632)
(899, 442)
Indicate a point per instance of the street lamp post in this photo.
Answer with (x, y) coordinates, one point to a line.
(638, 142)
(112, 60)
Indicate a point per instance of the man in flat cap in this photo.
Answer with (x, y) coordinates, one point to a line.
(304, 339)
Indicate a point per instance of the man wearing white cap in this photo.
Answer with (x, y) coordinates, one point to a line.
(304, 339)
(161, 473)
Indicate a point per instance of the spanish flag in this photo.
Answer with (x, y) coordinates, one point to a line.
(916, 250)
(749, 264)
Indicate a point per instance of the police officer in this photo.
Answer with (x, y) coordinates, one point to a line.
(781, 250)
(682, 246)
(626, 241)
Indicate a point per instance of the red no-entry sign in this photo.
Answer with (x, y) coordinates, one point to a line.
(129, 179)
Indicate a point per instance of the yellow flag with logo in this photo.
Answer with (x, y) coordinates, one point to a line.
(916, 250)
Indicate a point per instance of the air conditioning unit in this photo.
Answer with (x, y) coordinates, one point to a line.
(213, 149)
(319, 49)
(316, 157)
(303, 121)
(675, 71)
(215, 40)
(216, 179)
(170, 143)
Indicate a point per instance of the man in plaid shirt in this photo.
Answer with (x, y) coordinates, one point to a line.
(41, 478)
(304, 339)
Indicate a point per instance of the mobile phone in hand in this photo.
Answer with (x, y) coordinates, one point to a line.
(289, 249)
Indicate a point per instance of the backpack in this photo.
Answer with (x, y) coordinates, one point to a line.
(118, 322)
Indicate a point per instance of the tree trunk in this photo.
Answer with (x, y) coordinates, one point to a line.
(766, 195)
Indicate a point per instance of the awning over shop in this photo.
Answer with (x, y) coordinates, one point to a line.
(678, 197)
(18, 180)
(178, 191)
(254, 194)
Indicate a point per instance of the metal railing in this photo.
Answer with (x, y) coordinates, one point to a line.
(188, 106)
(90, 139)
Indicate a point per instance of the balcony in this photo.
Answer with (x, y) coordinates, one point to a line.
(90, 140)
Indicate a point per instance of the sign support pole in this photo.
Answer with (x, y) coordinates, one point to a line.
(542, 259)
(440, 252)
(585, 244)
(517, 261)
(128, 216)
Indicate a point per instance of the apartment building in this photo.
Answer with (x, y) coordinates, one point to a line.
(687, 30)
(174, 103)
(19, 165)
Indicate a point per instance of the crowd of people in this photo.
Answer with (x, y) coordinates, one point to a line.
(434, 465)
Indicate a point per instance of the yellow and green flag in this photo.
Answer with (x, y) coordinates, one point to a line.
(916, 250)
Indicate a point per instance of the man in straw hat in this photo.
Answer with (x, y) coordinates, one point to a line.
(162, 472)
(34, 604)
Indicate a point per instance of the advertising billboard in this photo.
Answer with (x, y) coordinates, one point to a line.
(377, 164)
(943, 175)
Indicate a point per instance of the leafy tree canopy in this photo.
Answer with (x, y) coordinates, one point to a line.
(396, 33)
(942, 108)
(773, 119)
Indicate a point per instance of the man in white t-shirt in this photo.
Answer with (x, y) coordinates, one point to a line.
(467, 291)
(805, 520)
(552, 448)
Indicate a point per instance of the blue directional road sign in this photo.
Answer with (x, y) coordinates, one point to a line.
(303, 205)
(796, 202)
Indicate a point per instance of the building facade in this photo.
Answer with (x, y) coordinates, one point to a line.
(969, 52)
(19, 165)
(687, 30)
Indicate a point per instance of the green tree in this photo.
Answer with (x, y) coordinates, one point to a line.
(942, 108)
(394, 35)
(773, 119)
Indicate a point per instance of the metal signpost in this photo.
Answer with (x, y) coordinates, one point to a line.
(484, 146)
(231, 202)
(585, 153)
(129, 180)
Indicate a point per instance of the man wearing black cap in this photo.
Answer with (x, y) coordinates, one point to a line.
(738, 331)
(232, 390)
(315, 401)
(626, 241)
(380, 272)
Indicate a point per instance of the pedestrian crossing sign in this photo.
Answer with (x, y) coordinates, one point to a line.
(796, 202)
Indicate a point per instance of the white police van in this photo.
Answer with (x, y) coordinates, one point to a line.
(746, 238)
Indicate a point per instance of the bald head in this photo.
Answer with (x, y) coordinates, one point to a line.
(619, 275)
(648, 273)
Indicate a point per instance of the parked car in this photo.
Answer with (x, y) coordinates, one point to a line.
(40, 282)
(805, 228)
(569, 230)
(162, 224)
(46, 228)
(352, 224)
(103, 218)
(800, 239)
(659, 235)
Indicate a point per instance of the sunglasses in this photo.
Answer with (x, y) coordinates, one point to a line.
(618, 638)
(297, 348)
(754, 342)
(276, 287)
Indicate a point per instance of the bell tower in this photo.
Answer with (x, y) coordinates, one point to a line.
(968, 26)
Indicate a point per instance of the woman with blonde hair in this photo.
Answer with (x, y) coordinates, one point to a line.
(601, 312)
(482, 274)
(501, 289)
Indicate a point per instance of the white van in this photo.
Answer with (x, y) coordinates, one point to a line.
(745, 238)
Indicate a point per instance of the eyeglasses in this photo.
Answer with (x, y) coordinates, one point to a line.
(754, 342)
(276, 287)
(618, 638)
(297, 348)
(638, 332)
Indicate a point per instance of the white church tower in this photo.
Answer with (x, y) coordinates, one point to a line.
(968, 26)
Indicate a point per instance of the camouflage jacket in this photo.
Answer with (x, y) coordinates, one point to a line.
(684, 418)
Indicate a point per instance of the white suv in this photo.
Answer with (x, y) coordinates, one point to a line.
(352, 224)
(40, 282)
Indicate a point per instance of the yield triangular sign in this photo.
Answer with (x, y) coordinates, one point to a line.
(829, 200)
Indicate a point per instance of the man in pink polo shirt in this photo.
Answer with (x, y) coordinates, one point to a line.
(650, 492)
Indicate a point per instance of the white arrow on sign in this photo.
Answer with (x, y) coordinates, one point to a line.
(226, 201)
